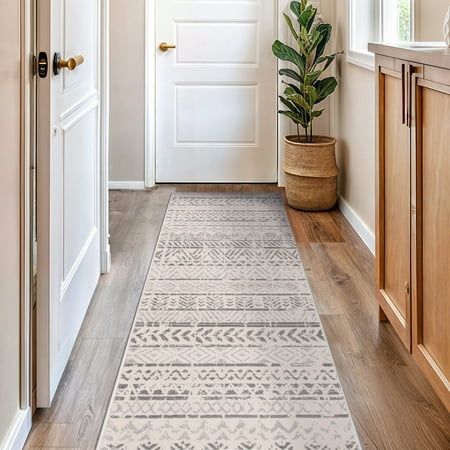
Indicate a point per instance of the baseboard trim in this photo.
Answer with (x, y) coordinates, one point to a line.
(18, 432)
(364, 232)
(127, 185)
(106, 260)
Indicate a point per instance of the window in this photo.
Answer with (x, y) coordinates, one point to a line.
(376, 20)
(397, 24)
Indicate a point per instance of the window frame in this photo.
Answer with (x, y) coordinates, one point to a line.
(366, 59)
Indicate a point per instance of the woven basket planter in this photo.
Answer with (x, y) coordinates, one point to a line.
(311, 173)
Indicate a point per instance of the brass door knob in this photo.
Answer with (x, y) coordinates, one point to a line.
(70, 64)
(164, 47)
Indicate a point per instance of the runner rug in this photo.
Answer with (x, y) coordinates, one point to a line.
(227, 350)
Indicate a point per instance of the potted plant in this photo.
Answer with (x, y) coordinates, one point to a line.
(310, 161)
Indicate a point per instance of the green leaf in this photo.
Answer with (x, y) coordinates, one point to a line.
(291, 74)
(304, 36)
(286, 53)
(312, 77)
(294, 109)
(293, 87)
(291, 26)
(307, 17)
(328, 59)
(312, 94)
(314, 41)
(291, 91)
(289, 104)
(297, 9)
(301, 102)
(325, 30)
(318, 113)
(325, 88)
(294, 117)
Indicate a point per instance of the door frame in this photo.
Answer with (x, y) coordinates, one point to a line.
(105, 253)
(27, 93)
(283, 126)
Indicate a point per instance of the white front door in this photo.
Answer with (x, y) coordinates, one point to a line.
(216, 92)
(68, 172)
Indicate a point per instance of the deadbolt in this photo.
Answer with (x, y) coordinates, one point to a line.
(42, 65)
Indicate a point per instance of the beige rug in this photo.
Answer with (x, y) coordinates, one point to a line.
(227, 350)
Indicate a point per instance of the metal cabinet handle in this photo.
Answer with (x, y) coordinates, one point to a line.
(404, 94)
(412, 70)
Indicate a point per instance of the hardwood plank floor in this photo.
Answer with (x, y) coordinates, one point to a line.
(392, 404)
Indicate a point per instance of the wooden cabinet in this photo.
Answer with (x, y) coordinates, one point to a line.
(413, 209)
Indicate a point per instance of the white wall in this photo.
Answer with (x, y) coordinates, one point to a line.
(10, 214)
(354, 127)
(430, 19)
(127, 85)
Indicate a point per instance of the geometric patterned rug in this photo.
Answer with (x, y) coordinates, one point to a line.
(227, 350)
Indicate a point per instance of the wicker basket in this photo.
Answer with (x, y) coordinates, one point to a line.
(311, 173)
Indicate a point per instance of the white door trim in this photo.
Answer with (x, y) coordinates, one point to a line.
(104, 138)
(150, 92)
(26, 129)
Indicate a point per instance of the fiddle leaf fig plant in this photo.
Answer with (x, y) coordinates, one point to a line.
(305, 86)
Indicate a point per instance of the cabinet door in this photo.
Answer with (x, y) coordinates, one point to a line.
(394, 203)
(431, 336)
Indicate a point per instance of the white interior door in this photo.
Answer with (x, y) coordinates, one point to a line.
(216, 92)
(68, 155)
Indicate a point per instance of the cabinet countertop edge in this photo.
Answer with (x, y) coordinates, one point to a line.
(431, 54)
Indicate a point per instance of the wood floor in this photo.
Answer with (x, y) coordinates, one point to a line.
(392, 404)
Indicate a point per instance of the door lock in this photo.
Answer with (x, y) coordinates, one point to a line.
(42, 65)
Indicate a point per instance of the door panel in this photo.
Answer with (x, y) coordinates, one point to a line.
(216, 92)
(235, 43)
(436, 228)
(78, 25)
(209, 125)
(68, 184)
(397, 198)
(396, 210)
(80, 181)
